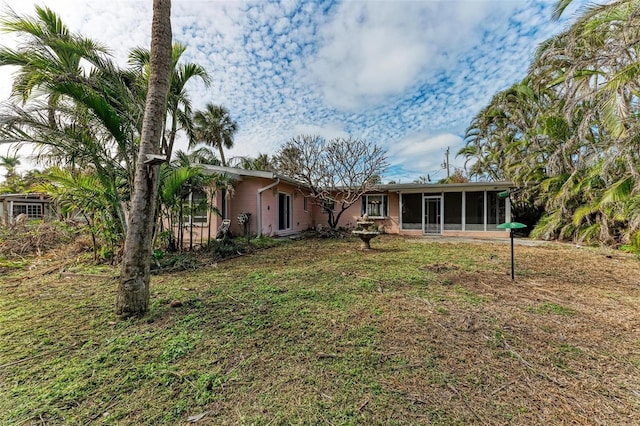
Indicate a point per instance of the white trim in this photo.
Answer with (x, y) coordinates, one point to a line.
(384, 204)
(400, 215)
(424, 213)
(206, 212)
(441, 213)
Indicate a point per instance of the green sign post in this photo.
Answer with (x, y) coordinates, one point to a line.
(511, 226)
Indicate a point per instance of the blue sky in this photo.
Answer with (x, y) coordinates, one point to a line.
(406, 75)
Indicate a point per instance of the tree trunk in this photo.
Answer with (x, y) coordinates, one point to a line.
(133, 289)
(222, 159)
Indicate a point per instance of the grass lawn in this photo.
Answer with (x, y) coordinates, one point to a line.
(319, 332)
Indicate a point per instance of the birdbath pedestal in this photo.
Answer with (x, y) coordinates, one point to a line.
(364, 232)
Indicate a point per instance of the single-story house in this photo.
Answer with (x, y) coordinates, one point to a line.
(36, 206)
(277, 205)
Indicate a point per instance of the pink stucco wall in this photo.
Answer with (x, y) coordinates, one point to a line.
(245, 200)
(391, 223)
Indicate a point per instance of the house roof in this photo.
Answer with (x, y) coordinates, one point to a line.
(238, 174)
(39, 197)
(417, 187)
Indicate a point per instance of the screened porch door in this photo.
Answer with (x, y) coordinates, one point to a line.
(432, 215)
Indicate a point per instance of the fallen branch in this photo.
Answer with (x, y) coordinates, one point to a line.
(102, 411)
(464, 401)
(20, 361)
(529, 366)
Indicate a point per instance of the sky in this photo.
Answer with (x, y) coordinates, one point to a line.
(406, 75)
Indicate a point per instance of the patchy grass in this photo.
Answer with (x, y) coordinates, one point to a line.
(552, 308)
(319, 332)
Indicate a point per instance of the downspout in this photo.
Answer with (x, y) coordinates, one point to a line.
(259, 212)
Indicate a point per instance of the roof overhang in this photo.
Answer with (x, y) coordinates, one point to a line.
(239, 174)
(446, 187)
(36, 197)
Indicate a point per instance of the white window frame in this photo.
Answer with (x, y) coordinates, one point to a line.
(384, 207)
(29, 210)
(204, 216)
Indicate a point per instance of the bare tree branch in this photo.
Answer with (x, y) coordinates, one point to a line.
(337, 171)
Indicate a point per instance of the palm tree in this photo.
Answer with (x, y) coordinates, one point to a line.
(9, 162)
(133, 289)
(178, 102)
(214, 127)
(202, 155)
(261, 162)
(569, 132)
(178, 182)
(53, 62)
(53, 52)
(83, 193)
(84, 115)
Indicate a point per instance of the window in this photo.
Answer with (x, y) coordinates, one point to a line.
(474, 211)
(375, 205)
(453, 211)
(223, 204)
(33, 211)
(411, 211)
(328, 206)
(198, 207)
(305, 207)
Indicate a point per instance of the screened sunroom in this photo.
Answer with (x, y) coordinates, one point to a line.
(454, 208)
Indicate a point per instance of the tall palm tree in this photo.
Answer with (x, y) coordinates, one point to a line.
(214, 127)
(133, 289)
(574, 142)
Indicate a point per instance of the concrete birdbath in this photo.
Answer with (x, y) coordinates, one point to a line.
(366, 231)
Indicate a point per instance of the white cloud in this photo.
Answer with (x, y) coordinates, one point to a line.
(408, 75)
(373, 49)
(422, 154)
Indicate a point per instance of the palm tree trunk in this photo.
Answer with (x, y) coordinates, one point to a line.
(133, 289)
(222, 160)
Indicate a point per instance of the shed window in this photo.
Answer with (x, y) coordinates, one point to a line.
(33, 211)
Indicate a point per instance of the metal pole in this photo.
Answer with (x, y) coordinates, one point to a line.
(512, 266)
